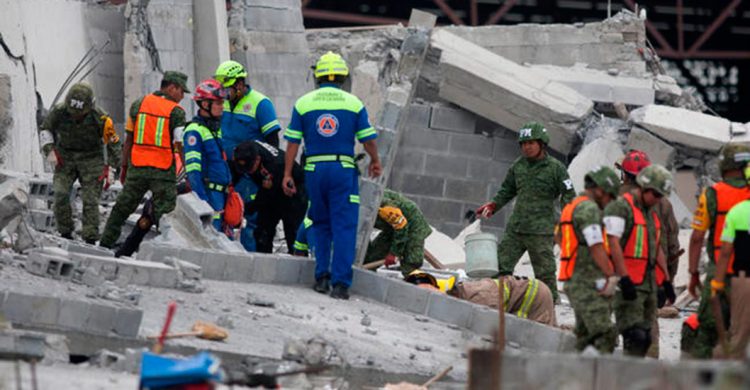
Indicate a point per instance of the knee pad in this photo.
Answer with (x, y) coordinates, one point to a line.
(636, 340)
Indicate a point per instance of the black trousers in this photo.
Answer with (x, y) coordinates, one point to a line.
(290, 211)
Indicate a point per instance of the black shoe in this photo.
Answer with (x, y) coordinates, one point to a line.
(68, 236)
(340, 292)
(90, 242)
(322, 285)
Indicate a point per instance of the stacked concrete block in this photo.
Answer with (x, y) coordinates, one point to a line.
(69, 314)
(689, 128)
(41, 188)
(507, 93)
(51, 263)
(610, 44)
(43, 220)
(22, 345)
(128, 271)
(268, 37)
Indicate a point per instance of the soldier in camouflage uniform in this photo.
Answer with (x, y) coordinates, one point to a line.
(142, 170)
(403, 230)
(72, 136)
(709, 216)
(537, 180)
(635, 252)
(585, 266)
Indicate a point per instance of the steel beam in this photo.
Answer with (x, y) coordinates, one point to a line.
(495, 17)
(712, 28)
(347, 17)
(654, 32)
(448, 11)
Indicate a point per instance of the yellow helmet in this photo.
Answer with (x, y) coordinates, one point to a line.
(420, 277)
(394, 216)
(331, 65)
(446, 285)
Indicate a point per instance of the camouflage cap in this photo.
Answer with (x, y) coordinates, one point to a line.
(655, 177)
(80, 98)
(533, 131)
(604, 178)
(178, 78)
(733, 156)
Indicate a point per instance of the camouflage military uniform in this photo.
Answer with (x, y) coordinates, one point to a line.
(593, 311)
(161, 182)
(706, 337)
(536, 185)
(641, 312)
(406, 243)
(78, 141)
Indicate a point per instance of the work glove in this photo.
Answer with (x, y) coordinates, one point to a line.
(628, 288)
(695, 284)
(390, 260)
(487, 210)
(610, 286)
(54, 159)
(669, 291)
(123, 173)
(717, 287)
(107, 177)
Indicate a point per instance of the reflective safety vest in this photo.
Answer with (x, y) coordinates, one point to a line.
(636, 249)
(569, 241)
(152, 141)
(727, 196)
(532, 288)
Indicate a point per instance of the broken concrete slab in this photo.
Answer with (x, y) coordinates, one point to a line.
(210, 37)
(600, 86)
(657, 150)
(679, 125)
(601, 152)
(507, 93)
(13, 198)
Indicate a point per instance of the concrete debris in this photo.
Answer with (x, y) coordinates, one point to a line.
(314, 351)
(682, 126)
(225, 321)
(601, 152)
(106, 359)
(447, 251)
(366, 320)
(13, 199)
(260, 302)
(110, 291)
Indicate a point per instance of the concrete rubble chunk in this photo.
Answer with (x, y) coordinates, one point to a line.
(600, 86)
(601, 152)
(508, 93)
(13, 198)
(657, 150)
(679, 125)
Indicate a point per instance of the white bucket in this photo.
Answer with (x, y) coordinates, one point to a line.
(481, 255)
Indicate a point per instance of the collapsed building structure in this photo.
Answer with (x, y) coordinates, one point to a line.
(446, 102)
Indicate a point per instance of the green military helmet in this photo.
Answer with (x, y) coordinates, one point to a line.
(80, 99)
(604, 178)
(733, 156)
(228, 72)
(655, 177)
(533, 131)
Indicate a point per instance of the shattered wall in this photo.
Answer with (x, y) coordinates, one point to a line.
(268, 37)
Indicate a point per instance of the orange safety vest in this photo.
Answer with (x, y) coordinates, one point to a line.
(569, 240)
(152, 140)
(636, 249)
(727, 196)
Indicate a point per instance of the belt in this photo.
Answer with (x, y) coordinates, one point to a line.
(329, 158)
(216, 187)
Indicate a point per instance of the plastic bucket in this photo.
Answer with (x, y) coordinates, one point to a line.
(481, 255)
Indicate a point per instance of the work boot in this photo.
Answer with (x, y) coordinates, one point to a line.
(90, 242)
(340, 292)
(322, 285)
(68, 236)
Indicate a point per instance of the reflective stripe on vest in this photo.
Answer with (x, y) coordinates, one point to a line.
(152, 143)
(569, 241)
(727, 196)
(636, 249)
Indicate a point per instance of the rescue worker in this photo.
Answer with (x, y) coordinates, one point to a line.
(248, 116)
(205, 160)
(633, 233)
(537, 180)
(148, 163)
(330, 120)
(527, 298)
(713, 204)
(302, 238)
(71, 138)
(585, 266)
(403, 230)
(264, 164)
(732, 278)
(630, 165)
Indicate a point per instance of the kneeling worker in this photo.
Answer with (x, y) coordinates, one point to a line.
(403, 230)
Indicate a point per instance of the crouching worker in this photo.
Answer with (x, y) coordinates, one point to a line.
(403, 230)
(523, 297)
(205, 161)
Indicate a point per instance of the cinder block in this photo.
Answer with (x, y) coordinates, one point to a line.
(238, 268)
(287, 269)
(163, 277)
(214, 266)
(466, 190)
(426, 140)
(128, 322)
(45, 310)
(17, 308)
(265, 270)
(307, 271)
(42, 263)
(624, 373)
(484, 320)
(101, 319)
(471, 145)
(422, 185)
(443, 307)
(405, 296)
(419, 116)
(369, 284)
(538, 337)
(694, 374)
(389, 115)
(409, 160)
(552, 371)
(505, 149)
(43, 220)
(73, 314)
(439, 208)
(446, 165)
(453, 119)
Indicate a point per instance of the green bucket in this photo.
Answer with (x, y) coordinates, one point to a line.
(481, 255)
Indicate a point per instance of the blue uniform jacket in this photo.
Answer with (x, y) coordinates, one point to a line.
(253, 118)
(204, 157)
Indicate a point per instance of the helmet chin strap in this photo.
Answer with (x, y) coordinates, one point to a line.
(207, 111)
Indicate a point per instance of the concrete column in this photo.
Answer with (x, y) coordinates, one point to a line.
(210, 36)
